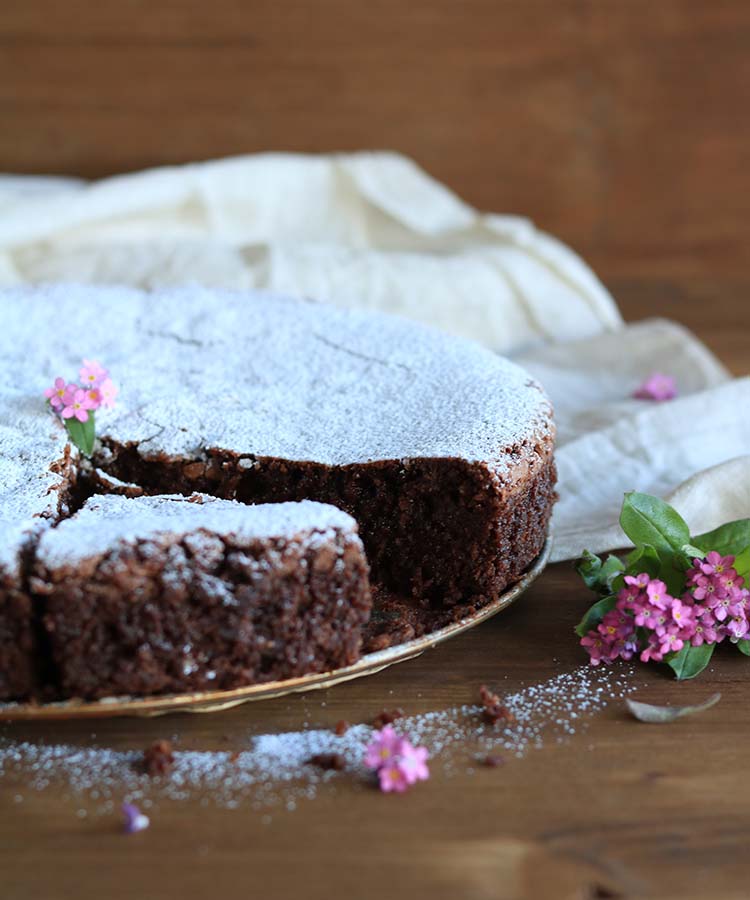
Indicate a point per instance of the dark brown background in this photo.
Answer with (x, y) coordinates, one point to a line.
(620, 125)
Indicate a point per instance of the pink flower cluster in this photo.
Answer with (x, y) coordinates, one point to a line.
(95, 389)
(398, 764)
(714, 606)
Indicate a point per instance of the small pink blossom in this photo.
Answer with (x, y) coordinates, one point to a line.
(657, 387)
(78, 406)
(386, 746)
(657, 594)
(597, 648)
(398, 764)
(95, 396)
(670, 643)
(92, 373)
(393, 778)
(108, 392)
(715, 563)
(56, 393)
(683, 618)
(413, 762)
(708, 589)
(652, 651)
(616, 624)
(638, 581)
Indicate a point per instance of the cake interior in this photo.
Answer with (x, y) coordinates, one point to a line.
(445, 532)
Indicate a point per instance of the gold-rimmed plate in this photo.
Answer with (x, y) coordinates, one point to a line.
(214, 701)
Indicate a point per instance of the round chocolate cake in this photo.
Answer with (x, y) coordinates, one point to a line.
(439, 449)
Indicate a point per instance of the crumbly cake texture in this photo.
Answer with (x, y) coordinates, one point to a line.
(164, 594)
(36, 479)
(441, 450)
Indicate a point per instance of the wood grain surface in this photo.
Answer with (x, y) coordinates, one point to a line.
(620, 810)
(620, 125)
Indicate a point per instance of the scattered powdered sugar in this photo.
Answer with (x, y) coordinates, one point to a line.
(106, 520)
(274, 770)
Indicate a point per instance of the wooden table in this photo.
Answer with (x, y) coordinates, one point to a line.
(624, 809)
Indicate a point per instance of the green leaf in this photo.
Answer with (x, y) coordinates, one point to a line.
(666, 567)
(82, 434)
(595, 614)
(744, 647)
(692, 552)
(589, 567)
(660, 715)
(596, 574)
(728, 539)
(643, 559)
(649, 520)
(742, 564)
(690, 661)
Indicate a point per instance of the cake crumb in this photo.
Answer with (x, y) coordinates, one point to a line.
(328, 761)
(492, 709)
(158, 759)
(387, 717)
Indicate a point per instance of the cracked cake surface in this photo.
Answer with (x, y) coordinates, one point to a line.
(273, 376)
(440, 450)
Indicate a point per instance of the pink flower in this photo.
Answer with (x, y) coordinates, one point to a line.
(597, 647)
(708, 588)
(657, 594)
(638, 581)
(135, 820)
(92, 373)
(393, 778)
(413, 763)
(657, 387)
(670, 643)
(78, 406)
(652, 650)
(683, 618)
(386, 746)
(397, 762)
(108, 391)
(730, 605)
(715, 563)
(58, 394)
(616, 624)
(95, 396)
(737, 628)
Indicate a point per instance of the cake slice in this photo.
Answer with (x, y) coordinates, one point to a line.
(36, 477)
(162, 594)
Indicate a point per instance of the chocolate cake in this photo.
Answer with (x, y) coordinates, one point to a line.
(441, 450)
(36, 479)
(164, 594)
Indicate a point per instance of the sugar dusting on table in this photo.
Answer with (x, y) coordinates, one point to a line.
(274, 772)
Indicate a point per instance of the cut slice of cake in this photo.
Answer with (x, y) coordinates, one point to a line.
(36, 476)
(164, 594)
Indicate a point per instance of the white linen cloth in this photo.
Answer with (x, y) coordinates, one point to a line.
(372, 230)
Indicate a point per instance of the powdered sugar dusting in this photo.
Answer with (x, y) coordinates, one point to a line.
(105, 521)
(273, 771)
(265, 375)
(27, 483)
